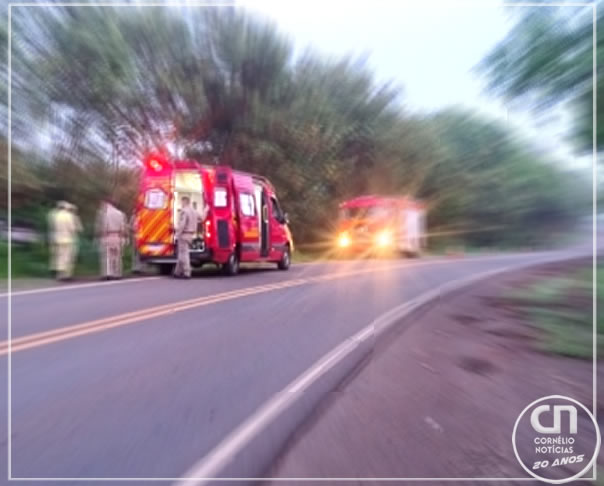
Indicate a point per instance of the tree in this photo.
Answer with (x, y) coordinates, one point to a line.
(487, 185)
(220, 84)
(547, 59)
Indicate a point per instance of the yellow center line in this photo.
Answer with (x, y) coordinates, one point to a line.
(143, 313)
(69, 332)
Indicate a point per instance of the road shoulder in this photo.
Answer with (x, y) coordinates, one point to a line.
(439, 400)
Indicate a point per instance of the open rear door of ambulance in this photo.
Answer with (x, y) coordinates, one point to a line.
(248, 213)
(187, 183)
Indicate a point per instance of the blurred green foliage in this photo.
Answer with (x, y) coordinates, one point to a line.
(547, 60)
(562, 307)
(31, 259)
(95, 88)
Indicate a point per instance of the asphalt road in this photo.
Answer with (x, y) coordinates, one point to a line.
(143, 378)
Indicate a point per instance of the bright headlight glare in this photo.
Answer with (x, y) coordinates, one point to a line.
(384, 238)
(343, 240)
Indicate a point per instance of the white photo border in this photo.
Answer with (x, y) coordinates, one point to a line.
(231, 4)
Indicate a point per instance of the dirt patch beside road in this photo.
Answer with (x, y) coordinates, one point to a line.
(440, 399)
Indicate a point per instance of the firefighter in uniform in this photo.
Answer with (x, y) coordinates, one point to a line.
(76, 217)
(111, 231)
(137, 265)
(73, 209)
(65, 226)
(52, 244)
(185, 232)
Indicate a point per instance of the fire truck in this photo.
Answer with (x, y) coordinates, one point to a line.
(377, 224)
(244, 220)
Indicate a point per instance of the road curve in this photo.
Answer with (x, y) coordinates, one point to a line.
(142, 379)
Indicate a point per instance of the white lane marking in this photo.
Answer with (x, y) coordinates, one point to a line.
(364, 334)
(322, 366)
(68, 332)
(75, 286)
(58, 288)
(433, 424)
(115, 282)
(429, 260)
(209, 467)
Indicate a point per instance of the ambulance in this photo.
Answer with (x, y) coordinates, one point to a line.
(244, 220)
(378, 224)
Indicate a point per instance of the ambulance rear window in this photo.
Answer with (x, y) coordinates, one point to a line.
(155, 199)
(246, 202)
(220, 197)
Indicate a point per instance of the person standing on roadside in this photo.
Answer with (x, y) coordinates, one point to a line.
(65, 228)
(137, 265)
(111, 231)
(52, 243)
(73, 209)
(185, 232)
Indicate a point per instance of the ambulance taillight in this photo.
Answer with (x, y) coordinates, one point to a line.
(208, 229)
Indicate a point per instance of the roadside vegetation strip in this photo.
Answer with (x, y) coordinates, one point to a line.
(68, 332)
(560, 305)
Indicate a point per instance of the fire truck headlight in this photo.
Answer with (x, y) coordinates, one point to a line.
(343, 240)
(384, 238)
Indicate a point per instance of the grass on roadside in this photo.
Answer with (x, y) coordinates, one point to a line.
(32, 260)
(562, 308)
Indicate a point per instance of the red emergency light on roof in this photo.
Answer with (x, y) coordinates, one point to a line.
(156, 163)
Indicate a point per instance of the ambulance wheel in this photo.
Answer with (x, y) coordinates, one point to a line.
(286, 260)
(166, 268)
(231, 267)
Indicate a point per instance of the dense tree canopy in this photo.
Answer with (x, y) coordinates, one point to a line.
(95, 88)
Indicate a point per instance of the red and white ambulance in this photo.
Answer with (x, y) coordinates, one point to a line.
(244, 221)
(378, 224)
